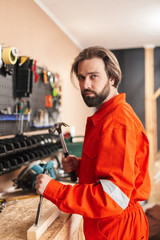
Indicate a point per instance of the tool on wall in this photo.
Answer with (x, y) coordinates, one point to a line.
(28, 111)
(40, 202)
(24, 77)
(8, 58)
(48, 101)
(54, 81)
(21, 108)
(9, 55)
(55, 85)
(45, 77)
(23, 59)
(57, 127)
(34, 69)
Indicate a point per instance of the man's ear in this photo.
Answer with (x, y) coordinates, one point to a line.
(112, 81)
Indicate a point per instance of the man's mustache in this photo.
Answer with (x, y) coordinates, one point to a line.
(88, 91)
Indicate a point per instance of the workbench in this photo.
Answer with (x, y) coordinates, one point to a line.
(19, 216)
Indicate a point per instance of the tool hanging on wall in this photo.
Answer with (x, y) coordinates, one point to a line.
(48, 89)
(34, 69)
(55, 85)
(28, 111)
(49, 101)
(21, 108)
(24, 77)
(45, 77)
(23, 59)
(8, 58)
(9, 55)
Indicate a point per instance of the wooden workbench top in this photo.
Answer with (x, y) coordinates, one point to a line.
(17, 218)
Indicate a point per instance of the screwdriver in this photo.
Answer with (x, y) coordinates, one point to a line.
(46, 171)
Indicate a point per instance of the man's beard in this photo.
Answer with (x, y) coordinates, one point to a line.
(98, 98)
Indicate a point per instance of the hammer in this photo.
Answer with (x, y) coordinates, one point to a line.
(57, 127)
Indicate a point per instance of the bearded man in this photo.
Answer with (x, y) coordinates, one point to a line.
(113, 170)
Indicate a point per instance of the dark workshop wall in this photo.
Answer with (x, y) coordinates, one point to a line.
(133, 80)
(156, 68)
(132, 65)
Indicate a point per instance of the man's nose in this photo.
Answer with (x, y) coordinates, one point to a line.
(87, 83)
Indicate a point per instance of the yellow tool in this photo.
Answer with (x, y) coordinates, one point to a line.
(4, 202)
(45, 78)
(23, 59)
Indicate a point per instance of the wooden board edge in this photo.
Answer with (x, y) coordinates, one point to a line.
(34, 232)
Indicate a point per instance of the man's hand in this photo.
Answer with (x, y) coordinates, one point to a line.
(41, 183)
(70, 163)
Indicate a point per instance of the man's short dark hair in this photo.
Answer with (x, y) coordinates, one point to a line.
(111, 63)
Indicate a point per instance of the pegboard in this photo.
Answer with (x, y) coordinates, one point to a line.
(6, 91)
(8, 99)
(38, 93)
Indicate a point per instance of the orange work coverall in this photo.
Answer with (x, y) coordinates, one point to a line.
(113, 176)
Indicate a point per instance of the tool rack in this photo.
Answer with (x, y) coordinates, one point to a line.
(20, 150)
(11, 98)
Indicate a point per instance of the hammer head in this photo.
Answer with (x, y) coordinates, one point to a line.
(57, 127)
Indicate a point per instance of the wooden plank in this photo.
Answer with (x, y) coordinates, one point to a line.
(35, 232)
(71, 229)
(149, 105)
(74, 224)
(81, 233)
(157, 93)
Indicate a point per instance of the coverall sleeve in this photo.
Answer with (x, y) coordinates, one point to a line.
(116, 174)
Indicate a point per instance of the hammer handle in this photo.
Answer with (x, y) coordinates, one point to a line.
(72, 174)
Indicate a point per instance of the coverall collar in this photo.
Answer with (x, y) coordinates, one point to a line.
(106, 108)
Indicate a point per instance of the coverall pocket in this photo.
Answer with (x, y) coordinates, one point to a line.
(90, 149)
(108, 227)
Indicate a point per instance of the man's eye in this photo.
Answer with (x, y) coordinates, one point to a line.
(81, 78)
(94, 76)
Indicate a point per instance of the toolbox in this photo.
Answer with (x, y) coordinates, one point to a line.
(75, 145)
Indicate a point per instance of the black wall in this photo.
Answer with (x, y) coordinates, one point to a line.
(133, 80)
(132, 65)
